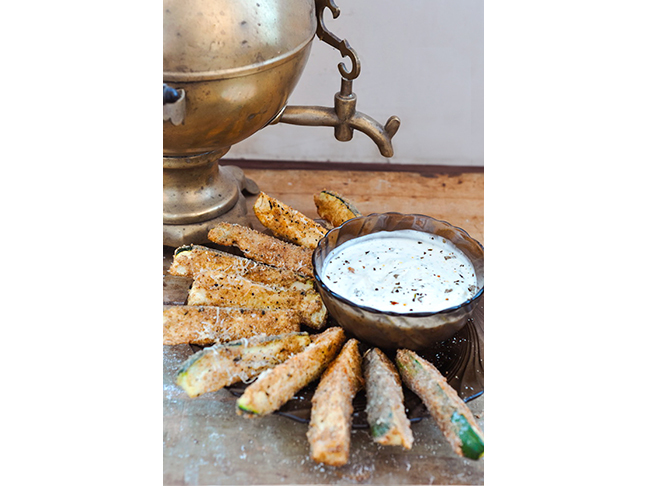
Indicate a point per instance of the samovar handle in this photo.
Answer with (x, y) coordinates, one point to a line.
(343, 116)
(171, 95)
(331, 39)
(174, 104)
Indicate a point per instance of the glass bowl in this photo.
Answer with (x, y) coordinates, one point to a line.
(391, 330)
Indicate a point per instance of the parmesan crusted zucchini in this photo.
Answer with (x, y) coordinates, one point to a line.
(218, 289)
(278, 385)
(386, 416)
(286, 222)
(225, 364)
(334, 208)
(264, 248)
(329, 431)
(449, 411)
(191, 260)
(204, 325)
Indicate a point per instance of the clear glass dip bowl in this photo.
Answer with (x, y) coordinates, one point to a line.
(390, 330)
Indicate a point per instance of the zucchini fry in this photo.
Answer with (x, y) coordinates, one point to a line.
(449, 411)
(225, 364)
(264, 248)
(334, 208)
(191, 260)
(286, 222)
(278, 385)
(388, 422)
(219, 289)
(329, 431)
(205, 325)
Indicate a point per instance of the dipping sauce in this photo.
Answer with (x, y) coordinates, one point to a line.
(401, 271)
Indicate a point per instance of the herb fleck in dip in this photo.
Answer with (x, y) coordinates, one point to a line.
(401, 271)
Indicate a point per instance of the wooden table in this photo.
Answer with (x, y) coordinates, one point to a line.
(206, 442)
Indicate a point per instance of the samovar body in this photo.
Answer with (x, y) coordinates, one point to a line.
(229, 68)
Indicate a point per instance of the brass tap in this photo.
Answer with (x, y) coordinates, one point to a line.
(344, 118)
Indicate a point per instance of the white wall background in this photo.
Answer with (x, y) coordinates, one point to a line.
(422, 60)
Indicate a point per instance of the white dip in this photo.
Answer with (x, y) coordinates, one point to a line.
(401, 271)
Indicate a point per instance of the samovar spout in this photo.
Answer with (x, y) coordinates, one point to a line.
(381, 135)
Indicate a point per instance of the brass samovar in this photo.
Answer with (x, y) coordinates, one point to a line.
(229, 68)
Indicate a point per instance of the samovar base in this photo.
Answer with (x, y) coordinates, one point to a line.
(176, 235)
(198, 194)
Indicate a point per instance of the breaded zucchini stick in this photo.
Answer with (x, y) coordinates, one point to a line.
(286, 222)
(451, 414)
(225, 364)
(329, 431)
(278, 385)
(386, 416)
(204, 325)
(334, 208)
(219, 289)
(264, 248)
(191, 260)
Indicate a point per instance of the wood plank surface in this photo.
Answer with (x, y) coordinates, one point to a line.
(206, 442)
(458, 199)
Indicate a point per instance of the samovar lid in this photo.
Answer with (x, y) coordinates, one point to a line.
(211, 39)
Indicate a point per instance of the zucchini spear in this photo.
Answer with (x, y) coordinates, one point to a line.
(215, 367)
(278, 385)
(451, 414)
(386, 416)
(219, 289)
(286, 222)
(329, 430)
(334, 208)
(191, 260)
(207, 325)
(263, 248)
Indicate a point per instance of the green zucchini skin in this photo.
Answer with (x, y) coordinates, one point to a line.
(246, 408)
(385, 409)
(183, 248)
(380, 429)
(449, 411)
(347, 204)
(218, 366)
(334, 208)
(472, 442)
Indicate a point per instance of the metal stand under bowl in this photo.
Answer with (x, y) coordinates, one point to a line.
(198, 193)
